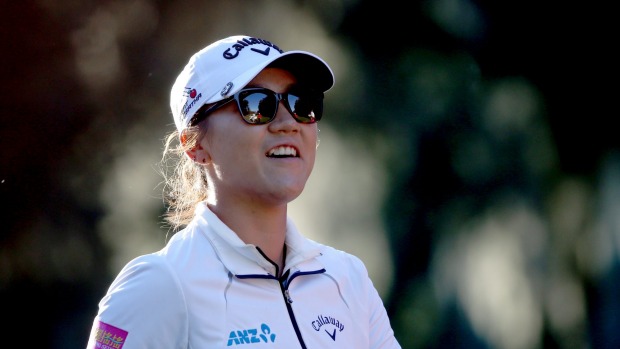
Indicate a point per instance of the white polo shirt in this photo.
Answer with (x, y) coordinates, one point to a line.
(208, 289)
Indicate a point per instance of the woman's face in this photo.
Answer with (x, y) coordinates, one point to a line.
(240, 160)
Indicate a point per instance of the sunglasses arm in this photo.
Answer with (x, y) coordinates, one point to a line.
(202, 113)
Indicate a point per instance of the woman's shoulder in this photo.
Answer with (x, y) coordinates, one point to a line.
(152, 269)
(337, 257)
(187, 242)
(167, 265)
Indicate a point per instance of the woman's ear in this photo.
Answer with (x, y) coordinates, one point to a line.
(197, 153)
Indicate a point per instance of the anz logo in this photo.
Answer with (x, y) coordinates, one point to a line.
(251, 336)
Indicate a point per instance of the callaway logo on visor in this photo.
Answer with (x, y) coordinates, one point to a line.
(233, 52)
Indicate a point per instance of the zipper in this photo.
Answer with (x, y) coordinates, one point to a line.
(288, 296)
(284, 283)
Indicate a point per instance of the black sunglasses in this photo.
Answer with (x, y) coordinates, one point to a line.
(259, 106)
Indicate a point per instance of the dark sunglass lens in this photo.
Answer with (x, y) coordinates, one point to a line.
(306, 108)
(257, 107)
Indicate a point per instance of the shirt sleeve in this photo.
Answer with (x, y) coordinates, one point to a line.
(143, 308)
(380, 332)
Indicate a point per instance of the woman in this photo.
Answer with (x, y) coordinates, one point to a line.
(238, 272)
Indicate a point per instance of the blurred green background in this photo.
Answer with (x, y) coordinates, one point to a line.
(467, 155)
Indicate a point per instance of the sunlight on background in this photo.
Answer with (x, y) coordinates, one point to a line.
(132, 202)
(488, 267)
(98, 44)
(501, 267)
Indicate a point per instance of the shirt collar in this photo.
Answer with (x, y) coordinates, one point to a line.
(244, 259)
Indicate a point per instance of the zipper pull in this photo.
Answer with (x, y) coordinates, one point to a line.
(288, 297)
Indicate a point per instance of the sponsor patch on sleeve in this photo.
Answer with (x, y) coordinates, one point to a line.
(109, 337)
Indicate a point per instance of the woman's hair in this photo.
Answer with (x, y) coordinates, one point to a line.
(184, 183)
